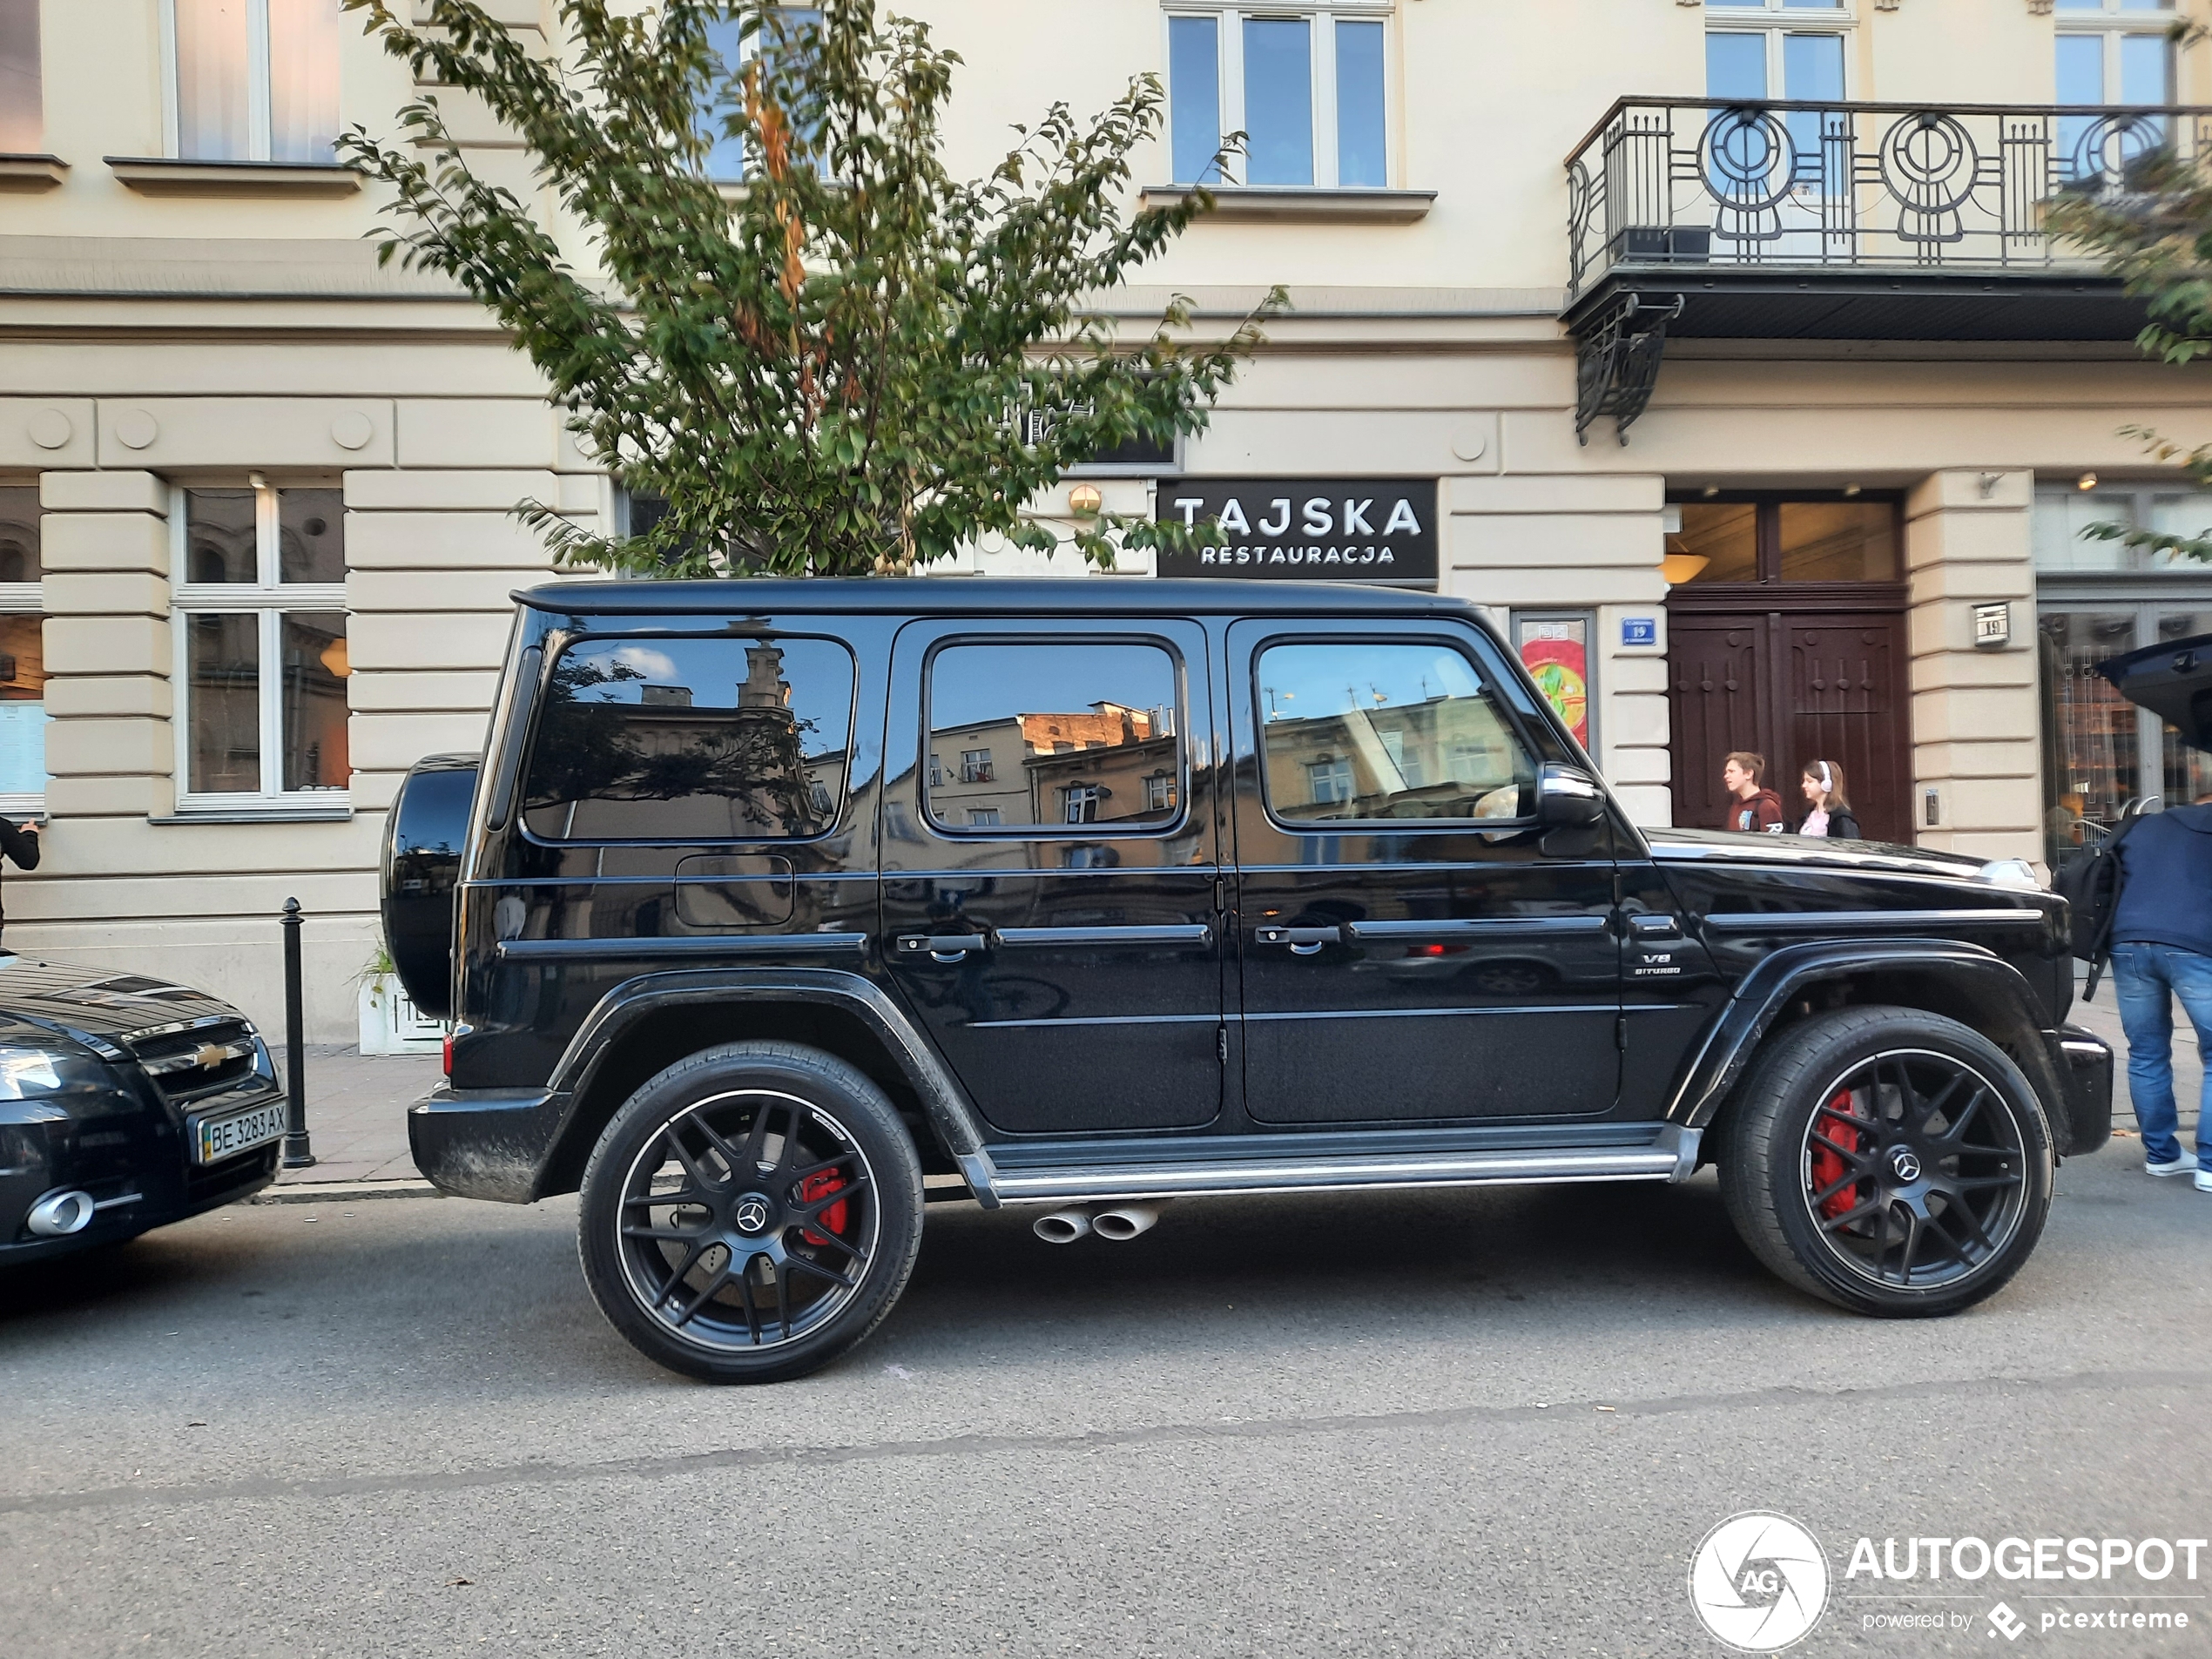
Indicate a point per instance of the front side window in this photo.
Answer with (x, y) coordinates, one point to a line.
(253, 80)
(22, 655)
(691, 741)
(22, 111)
(1307, 86)
(1354, 731)
(260, 615)
(1055, 735)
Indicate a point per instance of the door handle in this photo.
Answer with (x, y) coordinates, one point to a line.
(1655, 927)
(941, 948)
(1302, 941)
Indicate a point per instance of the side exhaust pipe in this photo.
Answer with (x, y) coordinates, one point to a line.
(1125, 1221)
(1061, 1226)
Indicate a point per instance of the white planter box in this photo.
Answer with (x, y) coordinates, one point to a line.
(391, 1024)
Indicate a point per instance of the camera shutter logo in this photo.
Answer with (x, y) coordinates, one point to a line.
(1759, 1581)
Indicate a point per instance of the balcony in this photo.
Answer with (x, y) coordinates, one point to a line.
(1791, 220)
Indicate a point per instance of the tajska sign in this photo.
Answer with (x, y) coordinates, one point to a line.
(1341, 529)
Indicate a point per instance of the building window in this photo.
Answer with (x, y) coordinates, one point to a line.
(1330, 778)
(1308, 86)
(975, 766)
(982, 818)
(1159, 792)
(259, 599)
(22, 656)
(936, 771)
(1080, 802)
(2111, 51)
(252, 80)
(728, 160)
(22, 114)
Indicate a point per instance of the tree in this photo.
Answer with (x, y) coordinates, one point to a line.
(2151, 225)
(848, 363)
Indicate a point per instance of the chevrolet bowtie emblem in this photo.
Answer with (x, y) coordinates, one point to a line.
(210, 1055)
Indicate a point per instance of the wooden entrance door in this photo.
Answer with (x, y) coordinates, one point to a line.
(1795, 674)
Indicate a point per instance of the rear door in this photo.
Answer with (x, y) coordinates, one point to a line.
(1049, 870)
(1412, 948)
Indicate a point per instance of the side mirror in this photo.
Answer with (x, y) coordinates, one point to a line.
(1567, 797)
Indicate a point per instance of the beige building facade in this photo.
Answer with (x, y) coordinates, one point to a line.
(1752, 423)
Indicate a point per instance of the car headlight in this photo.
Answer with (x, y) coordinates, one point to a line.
(26, 1072)
(2017, 874)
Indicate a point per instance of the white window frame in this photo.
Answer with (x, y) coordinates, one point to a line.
(1775, 22)
(268, 598)
(25, 599)
(1322, 17)
(259, 93)
(2111, 22)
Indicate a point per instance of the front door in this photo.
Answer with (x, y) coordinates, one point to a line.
(1414, 950)
(1049, 880)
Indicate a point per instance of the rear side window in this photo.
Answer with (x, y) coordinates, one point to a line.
(691, 741)
(1060, 736)
(1362, 731)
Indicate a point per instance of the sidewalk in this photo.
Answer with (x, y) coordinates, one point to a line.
(357, 1113)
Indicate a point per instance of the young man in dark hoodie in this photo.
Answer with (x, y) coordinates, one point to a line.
(2161, 948)
(1757, 809)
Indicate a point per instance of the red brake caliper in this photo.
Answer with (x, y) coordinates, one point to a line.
(820, 1186)
(1827, 1168)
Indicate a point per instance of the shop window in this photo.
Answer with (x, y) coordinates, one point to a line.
(1358, 731)
(22, 114)
(261, 644)
(22, 656)
(1307, 86)
(2063, 515)
(1839, 539)
(1056, 734)
(253, 80)
(691, 740)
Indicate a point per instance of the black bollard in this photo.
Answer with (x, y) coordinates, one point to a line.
(296, 1155)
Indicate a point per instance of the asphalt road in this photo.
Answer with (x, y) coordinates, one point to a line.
(1480, 1423)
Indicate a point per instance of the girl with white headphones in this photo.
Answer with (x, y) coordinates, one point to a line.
(1831, 814)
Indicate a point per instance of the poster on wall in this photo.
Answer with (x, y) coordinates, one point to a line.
(1556, 652)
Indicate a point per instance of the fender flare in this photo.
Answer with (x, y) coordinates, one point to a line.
(1713, 1072)
(951, 1114)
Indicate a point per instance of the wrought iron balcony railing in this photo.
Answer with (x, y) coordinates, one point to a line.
(1697, 183)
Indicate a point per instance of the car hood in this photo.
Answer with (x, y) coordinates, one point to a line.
(2174, 681)
(1730, 848)
(97, 1002)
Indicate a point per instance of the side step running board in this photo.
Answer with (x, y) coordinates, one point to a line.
(1671, 1156)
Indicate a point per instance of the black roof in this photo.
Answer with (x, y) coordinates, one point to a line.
(969, 596)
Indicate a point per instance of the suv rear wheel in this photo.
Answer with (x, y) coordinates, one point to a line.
(750, 1213)
(1891, 1161)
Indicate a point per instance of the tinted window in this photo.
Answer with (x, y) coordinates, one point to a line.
(1054, 735)
(1363, 731)
(687, 740)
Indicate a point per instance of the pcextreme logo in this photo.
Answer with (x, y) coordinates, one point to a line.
(1759, 1581)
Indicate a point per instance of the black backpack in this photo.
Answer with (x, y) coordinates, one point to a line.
(2090, 886)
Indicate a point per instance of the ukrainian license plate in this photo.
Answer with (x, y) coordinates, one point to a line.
(217, 1138)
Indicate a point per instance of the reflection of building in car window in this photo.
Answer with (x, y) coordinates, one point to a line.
(1101, 765)
(1330, 779)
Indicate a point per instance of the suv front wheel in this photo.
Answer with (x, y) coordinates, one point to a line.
(750, 1213)
(1892, 1162)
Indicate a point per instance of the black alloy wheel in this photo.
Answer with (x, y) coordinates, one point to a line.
(750, 1213)
(1888, 1160)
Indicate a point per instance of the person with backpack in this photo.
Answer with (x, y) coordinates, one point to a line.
(2161, 940)
(1757, 810)
(1831, 814)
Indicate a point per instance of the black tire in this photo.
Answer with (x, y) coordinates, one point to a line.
(1891, 1161)
(740, 1154)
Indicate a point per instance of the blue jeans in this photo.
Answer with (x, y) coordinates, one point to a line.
(2147, 978)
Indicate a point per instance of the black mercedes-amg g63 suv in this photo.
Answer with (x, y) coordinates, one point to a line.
(774, 909)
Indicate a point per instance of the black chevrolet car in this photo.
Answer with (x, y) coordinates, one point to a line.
(776, 908)
(125, 1104)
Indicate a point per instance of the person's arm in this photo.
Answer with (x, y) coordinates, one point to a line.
(20, 843)
(1769, 806)
(1843, 823)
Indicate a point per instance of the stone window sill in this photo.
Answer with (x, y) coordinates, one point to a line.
(1300, 205)
(284, 812)
(166, 176)
(27, 173)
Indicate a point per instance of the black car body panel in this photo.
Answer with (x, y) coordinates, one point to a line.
(1219, 998)
(137, 1061)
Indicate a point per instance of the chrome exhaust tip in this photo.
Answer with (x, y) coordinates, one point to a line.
(1124, 1222)
(59, 1214)
(1061, 1226)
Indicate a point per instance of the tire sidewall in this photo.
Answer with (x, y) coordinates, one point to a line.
(1802, 1071)
(839, 1091)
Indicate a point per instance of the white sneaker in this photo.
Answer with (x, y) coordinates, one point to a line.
(2204, 1180)
(2181, 1166)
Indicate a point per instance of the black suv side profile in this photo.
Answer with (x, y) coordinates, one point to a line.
(775, 909)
